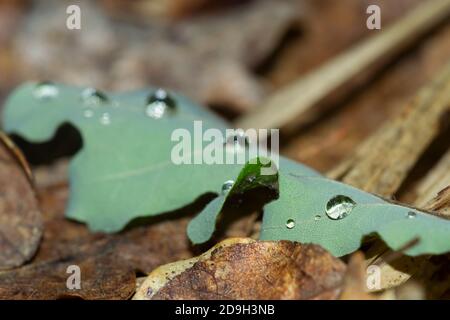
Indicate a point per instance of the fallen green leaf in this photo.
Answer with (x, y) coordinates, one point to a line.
(314, 209)
(306, 201)
(124, 169)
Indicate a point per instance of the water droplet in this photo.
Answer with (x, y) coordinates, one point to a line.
(411, 215)
(105, 119)
(159, 103)
(46, 91)
(290, 223)
(226, 187)
(92, 96)
(339, 207)
(317, 217)
(88, 113)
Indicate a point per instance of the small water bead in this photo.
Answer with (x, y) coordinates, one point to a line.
(339, 207)
(290, 223)
(226, 187)
(88, 113)
(105, 118)
(317, 217)
(159, 103)
(46, 91)
(92, 96)
(411, 215)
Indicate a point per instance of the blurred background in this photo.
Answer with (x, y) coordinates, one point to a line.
(228, 55)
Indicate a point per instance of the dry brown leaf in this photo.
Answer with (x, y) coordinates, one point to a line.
(143, 247)
(242, 268)
(20, 217)
(355, 286)
(102, 277)
(146, 245)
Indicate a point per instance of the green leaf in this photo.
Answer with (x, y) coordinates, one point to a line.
(124, 169)
(300, 214)
(201, 228)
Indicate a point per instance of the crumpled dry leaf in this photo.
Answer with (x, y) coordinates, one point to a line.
(108, 263)
(20, 217)
(206, 57)
(355, 287)
(142, 247)
(101, 277)
(157, 241)
(242, 268)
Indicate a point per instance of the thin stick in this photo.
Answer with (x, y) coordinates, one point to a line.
(383, 161)
(290, 105)
(434, 185)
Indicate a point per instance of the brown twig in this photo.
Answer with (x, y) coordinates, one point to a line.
(293, 104)
(383, 161)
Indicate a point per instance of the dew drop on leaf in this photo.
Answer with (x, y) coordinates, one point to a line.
(159, 103)
(93, 97)
(339, 207)
(226, 187)
(290, 223)
(88, 113)
(318, 217)
(411, 215)
(46, 91)
(105, 119)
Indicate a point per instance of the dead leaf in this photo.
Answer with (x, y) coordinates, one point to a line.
(143, 247)
(355, 287)
(101, 277)
(242, 268)
(20, 217)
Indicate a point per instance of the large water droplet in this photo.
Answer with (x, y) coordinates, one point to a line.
(46, 91)
(411, 215)
(93, 97)
(159, 103)
(105, 118)
(290, 223)
(339, 207)
(226, 187)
